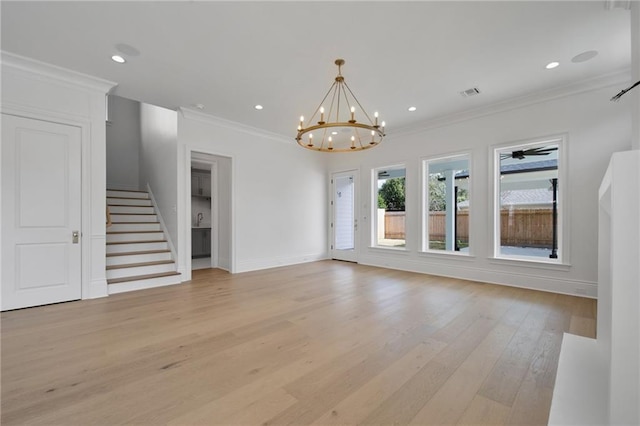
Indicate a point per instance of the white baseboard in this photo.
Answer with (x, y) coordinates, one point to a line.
(98, 289)
(533, 281)
(274, 262)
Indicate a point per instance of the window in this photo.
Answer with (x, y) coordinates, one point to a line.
(529, 211)
(446, 208)
(389, 216)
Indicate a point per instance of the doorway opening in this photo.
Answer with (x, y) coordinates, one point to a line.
(208, 211)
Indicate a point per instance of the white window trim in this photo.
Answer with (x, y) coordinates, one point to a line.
(424, 200)
(373, 240)
(563, 259)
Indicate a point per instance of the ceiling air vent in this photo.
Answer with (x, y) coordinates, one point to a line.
(470, 92)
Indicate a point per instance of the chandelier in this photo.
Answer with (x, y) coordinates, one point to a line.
(336, 129)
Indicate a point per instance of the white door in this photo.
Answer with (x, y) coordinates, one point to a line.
(344, 225)
(41, 210)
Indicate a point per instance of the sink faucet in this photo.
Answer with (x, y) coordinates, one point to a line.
(198, 219)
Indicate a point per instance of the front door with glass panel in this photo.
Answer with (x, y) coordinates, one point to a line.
(344, 222)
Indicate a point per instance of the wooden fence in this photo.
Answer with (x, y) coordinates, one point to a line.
(519, 227)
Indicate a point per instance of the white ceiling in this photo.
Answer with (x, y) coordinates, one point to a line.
(230, 56)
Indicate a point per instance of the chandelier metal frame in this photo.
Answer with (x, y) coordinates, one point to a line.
(344, 133)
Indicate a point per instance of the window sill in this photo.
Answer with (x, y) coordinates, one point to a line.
(530, 263)
(447, 254)
(399, 250)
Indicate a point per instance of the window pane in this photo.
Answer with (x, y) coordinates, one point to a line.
(528, 212)
(390, 219)
(448, 197)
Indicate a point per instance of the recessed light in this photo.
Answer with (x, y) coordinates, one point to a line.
(334, 133)
(412, 108)
(119, 59)
(258, 107)
(584, 56)
(552, 65)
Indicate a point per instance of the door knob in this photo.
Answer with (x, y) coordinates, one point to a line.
(75, 236)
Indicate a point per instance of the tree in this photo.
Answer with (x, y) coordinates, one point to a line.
(392, 192)
(437, 202)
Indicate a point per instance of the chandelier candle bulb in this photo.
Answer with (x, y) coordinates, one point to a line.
(321, 115)
(353, 142)
(375, 115)
(330, 143)
(373, 133)
(353, 112)
(310, 139)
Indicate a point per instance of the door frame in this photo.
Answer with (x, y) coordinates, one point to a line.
(184, 215)
(92, 193)
(73, 288)
(200, 159)
(333, 253)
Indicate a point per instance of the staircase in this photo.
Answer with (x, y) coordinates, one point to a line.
(138, 254)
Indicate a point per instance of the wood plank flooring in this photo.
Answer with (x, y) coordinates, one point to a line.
(321, 343)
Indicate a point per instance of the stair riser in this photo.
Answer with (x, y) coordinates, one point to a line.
(119, 218)
(146, 236)
(132, 209)
(128, 202)
(137, 258)
(126, 194)
(140, 270)
(142, 284)
(133, 227)
(123, 248)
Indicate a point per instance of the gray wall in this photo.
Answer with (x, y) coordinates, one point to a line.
(123, 144)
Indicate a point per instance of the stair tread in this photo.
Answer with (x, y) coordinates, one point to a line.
(132, 232)
(133, 214)
(127, 198)
(127, 190)
(141, 277)
(134, 253)
(137, 242)
(132, 223)
(135, 265)
(130, 205)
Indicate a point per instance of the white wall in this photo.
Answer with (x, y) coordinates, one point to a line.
(158, 163)
(635, 72)
(225, 203)
(123, 144)
(278, 201)
(595, 129)
(40, 91)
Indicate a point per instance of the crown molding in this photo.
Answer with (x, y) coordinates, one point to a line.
(616, 78)
(54, 73)
(617, 4)
(202, 117)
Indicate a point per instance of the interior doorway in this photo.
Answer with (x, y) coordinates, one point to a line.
(204, 213)
(209, 211)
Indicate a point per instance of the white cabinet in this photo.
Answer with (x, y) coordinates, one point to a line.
(200, 183)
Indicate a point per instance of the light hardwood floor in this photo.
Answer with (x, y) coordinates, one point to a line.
(321, 343)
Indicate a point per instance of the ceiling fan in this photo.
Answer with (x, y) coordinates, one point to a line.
(520, 154)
